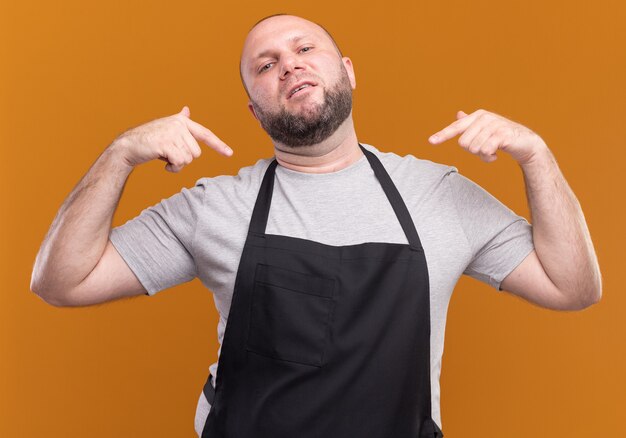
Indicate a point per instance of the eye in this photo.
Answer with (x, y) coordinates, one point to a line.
(264, 67)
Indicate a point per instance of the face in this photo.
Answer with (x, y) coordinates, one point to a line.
(282, 54)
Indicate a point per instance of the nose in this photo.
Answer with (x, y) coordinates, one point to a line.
(289, 64)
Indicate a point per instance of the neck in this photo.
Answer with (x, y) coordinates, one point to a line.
(337, 152)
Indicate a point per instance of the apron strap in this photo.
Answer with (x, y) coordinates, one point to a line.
(209, 391)
(399, 207)
(258, 223)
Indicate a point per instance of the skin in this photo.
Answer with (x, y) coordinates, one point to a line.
(78, 266)
(287, 64)
(562, 273)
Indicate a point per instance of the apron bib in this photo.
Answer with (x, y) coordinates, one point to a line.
(325, 341)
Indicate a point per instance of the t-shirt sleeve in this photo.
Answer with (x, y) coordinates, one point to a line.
(499, 238)
(157, 244)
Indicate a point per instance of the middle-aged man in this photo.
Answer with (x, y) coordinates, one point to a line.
(333, 301)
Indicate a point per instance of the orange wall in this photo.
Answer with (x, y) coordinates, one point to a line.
(74, 75)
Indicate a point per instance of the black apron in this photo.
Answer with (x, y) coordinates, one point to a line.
(325, 341)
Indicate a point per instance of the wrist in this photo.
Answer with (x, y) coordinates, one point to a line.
(539, 155)
(116, 153)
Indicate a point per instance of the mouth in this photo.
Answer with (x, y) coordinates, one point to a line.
(299, 87)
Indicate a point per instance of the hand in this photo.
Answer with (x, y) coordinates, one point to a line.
(485, 132)
(171, 139)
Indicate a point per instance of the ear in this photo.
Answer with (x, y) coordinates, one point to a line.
(251, 108)
(347, 62)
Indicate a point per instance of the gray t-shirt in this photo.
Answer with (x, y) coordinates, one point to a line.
(200, 231)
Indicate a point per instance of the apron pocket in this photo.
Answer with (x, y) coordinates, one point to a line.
(290, 315)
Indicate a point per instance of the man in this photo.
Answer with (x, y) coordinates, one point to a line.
(335, 297)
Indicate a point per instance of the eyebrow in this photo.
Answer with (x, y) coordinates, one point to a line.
(293, 39)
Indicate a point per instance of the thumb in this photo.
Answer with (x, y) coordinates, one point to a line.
(185, 111)
(460, 115)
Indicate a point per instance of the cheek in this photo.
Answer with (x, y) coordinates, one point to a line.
(261, 92)
(264, 99)
(268, 86)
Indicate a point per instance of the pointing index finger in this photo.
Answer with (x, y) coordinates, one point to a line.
(206, 136)
(455, 128)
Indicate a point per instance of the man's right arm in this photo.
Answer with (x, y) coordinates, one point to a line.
(76, 256)
(77, 265)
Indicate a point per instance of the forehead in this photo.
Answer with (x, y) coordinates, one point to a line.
(275, 32)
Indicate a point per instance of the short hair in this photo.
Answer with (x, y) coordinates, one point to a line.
(276, 15)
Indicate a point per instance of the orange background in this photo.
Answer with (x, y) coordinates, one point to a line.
(76, 74)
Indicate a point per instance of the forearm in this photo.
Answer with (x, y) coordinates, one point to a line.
(80, 230)
(560, 234)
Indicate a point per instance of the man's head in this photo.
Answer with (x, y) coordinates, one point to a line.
(283, 52)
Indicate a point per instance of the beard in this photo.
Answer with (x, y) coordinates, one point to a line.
(310, 127)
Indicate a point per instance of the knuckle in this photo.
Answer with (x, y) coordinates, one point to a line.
(474, 148)
(179, 123)
(194, 149)
(503, 133)
(177, 161)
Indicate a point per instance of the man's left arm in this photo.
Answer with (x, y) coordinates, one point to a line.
(562, 273)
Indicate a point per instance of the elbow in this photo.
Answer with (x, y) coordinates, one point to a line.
(587, 300)
(35, 286)
(49, 297)
(53, 300)
(595, 300)
(41, 285)
(592, 294)
(595, 295)
(37, 283)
